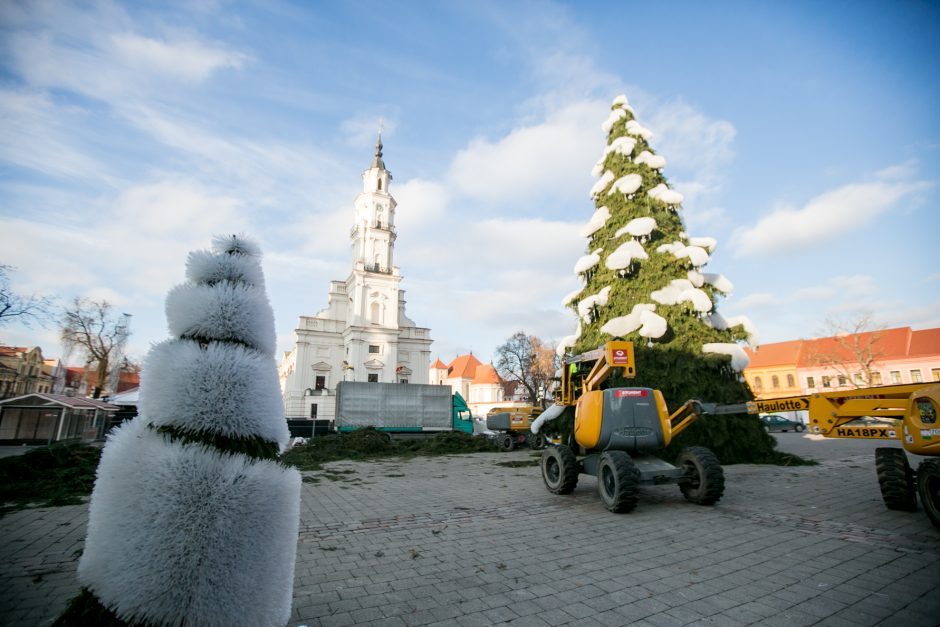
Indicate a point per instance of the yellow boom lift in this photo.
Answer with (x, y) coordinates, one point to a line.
(909, 414)
(616, 430)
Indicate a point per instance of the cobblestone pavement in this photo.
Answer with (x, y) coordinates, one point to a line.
(464, 541)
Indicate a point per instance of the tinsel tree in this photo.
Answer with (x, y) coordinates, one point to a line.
(644, 281)
(193, 520)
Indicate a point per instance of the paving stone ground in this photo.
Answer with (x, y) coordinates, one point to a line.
(464, 541)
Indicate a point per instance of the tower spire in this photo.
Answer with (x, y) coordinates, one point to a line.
(377, 161)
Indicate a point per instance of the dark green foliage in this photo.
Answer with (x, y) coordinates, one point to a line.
(369, 443)
(53, 475)
(85, 609)
(733, 439)
(254, 447)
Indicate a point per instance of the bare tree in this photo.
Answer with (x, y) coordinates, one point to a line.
(528, 360)
(24, 309)
(852, 347)
(89, 327)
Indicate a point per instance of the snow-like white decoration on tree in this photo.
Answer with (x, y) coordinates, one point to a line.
(182, 531)
(698, 256)
(680, 291)
(596, 300)
(666, 195)
(571, 296)
(569, 340)
(625, 254)
(708, 243)
(596, 223)
(587, 262)
(635, 128)
(626, 185)
(696, 278)
(739, 359)
(598, 167)
(620, 101)
(623, 145)
(656, 162)
(642, 317)
(717, 321)
(637, 227)
(615, 114)
(719, 282)
(226, 388)
(602, 183)
(553, 412)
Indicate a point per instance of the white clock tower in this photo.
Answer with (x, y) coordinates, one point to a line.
(363, 334)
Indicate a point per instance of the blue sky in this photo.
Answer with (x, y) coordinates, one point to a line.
(804, 136)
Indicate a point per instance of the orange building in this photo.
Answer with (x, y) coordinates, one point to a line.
(848, 361)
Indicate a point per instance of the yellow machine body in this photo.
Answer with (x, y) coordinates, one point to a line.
(911, 414)
(628, 419)
(520, 418)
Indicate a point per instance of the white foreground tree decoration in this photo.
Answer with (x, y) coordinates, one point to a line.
(193, 521)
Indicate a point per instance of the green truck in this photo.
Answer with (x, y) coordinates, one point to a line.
(402, 409)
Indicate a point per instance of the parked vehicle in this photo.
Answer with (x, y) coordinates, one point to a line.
(512, 424)
(779, 423)
(400, 409)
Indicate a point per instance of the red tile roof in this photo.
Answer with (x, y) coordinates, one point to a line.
(438, 365)
(486, 373)
(463, 367)
(777, 354)
(926, 342)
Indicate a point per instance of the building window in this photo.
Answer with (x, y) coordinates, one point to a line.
(810, 382)
(373, 349)
(775, 382)
(320, 383)
(858, 378)
(843, 381)
(757, 384)
(876, 378)
(380, 184)
(313, 412)
(895, 376)
(403, 380)
(373, 378)
(935, 374)
(916, 377)
(791, 382)
(827, 382)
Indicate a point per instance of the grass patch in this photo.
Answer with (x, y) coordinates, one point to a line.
(368, 443)
(59, 474)
(520, 464)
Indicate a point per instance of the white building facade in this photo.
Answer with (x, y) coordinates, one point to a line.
(363, 334)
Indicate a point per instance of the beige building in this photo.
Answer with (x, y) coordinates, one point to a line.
(22, 371)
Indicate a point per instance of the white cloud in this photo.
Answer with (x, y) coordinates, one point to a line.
(550, 158)
(844, 209)
(905, 170)
(758, 300)
(361, 130)
(186, 59)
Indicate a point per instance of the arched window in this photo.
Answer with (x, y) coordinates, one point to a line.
(791, 382)
(380, 183)
(775, 382)
(376, 313)
(757, 384)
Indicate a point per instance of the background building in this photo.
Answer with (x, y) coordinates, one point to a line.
(846, 361)
(363, 334)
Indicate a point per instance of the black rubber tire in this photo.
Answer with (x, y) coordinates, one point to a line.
(896, 479)
(618, 482)
(704, 480)
(799, 428)
(536, 441)
(559, 469)
(507, 443)
(928, 486)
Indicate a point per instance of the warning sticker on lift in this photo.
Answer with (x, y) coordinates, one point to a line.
(621, 357)
(629, 393)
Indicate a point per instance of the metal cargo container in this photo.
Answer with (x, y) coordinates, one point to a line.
(400, 407)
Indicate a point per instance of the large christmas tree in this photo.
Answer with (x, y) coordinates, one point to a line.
(644, 281)
(193, 519)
